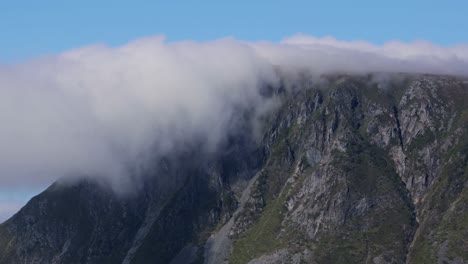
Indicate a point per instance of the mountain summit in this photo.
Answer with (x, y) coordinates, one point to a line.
(366, 168)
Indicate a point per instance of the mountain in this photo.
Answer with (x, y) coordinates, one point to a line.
(349, 169)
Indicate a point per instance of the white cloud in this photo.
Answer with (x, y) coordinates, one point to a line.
(92, 109)
(392, 49)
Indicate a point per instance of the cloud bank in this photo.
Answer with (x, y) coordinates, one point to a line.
(91, 110)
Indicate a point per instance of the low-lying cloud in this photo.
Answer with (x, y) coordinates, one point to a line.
(91, 110)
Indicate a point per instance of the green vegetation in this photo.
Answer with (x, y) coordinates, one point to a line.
(419, 142)
(262, 237)
(265, 235)
(370, 175)
(445, 211)
(423, 253)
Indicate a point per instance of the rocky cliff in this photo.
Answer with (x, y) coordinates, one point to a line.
(350, 169)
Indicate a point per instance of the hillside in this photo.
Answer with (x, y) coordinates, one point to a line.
(348, 169)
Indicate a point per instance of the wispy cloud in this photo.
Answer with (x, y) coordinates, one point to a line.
(93, 109)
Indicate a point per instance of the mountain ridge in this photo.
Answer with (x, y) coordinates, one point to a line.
(350, 169)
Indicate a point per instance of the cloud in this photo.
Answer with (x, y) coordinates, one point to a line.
(392, 49)
(90, 110)
(93, 110)
(327, 54)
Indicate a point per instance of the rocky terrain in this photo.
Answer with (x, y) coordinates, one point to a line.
(349, 169)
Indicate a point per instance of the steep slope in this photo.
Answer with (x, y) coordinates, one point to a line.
(85, 222)
(351, 169)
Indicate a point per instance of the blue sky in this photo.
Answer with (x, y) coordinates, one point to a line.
(34, 28)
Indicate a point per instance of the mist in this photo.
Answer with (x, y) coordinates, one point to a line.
(93, 110)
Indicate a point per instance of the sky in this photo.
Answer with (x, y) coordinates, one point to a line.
(36, 29)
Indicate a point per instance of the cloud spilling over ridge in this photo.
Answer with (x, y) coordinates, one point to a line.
(327, 54)
(92, 109)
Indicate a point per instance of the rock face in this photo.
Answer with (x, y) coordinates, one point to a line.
(349, 170)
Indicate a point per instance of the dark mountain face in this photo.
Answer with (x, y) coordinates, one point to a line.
(348, 171)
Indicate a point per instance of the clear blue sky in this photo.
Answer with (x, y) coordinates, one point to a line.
(33, 28)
